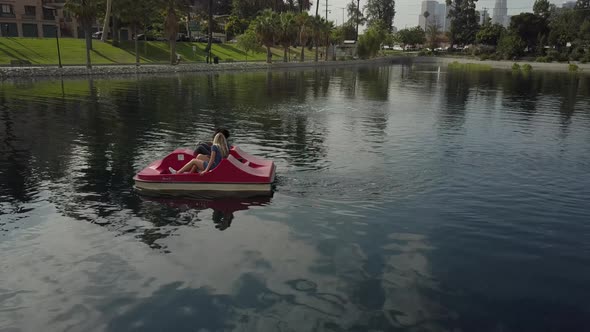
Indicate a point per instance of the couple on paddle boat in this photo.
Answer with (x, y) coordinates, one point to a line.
(209, 155)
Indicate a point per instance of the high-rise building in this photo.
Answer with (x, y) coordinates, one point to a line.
(440, 17)
(484, 16)
(437, 15)
(500, 14)
(427, 13)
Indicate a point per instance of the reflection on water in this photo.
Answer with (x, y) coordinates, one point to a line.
(407, 198)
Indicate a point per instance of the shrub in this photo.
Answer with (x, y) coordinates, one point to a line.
(516, 67)
(553, 55)
(484, 57)
(577, 54)
(543, 59)
(573, 68)
(527, 68)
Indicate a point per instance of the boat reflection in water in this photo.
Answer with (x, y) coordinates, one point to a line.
(223, 207)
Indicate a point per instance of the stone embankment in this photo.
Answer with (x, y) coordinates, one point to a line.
(116, 70)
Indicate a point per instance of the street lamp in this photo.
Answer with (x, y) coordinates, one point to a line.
(56, 33)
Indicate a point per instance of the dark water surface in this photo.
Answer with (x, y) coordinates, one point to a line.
(408, 198)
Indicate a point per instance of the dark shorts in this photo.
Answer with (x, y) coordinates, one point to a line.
(206, 163)
(203, 148)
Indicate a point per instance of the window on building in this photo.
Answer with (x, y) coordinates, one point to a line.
(6, 9)
(48, 14)
(30, 10)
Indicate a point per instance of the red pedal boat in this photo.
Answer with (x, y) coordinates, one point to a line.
(239, 173)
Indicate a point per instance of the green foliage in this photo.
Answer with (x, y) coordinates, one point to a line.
(286, 33)
(249, 42)
(542, 8)
(355, 16)
(235, 26)
(484, 57)
(412, 36)
(516, 67)
(265, 26)
(464, 21)
(490, 34)
(469, 66)
(511, 46)
(543, 59)
(573, 68)
(370, 42)
(527, 68)
(381, 13)
(562, 28)
(529, 27)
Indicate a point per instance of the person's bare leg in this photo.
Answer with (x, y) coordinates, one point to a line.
(187, 166)
(203, 157)
(193, 169)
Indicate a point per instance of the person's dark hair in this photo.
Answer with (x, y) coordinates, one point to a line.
(223, 131)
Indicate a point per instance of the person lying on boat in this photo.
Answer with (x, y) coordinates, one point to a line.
(205, 147)
(205, 163)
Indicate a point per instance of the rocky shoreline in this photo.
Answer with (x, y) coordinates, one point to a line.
(7, 73)
(10, 73)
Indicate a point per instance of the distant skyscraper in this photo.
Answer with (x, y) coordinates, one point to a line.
(429, 7)
(437, 15)
(500, 15)
(484, 16)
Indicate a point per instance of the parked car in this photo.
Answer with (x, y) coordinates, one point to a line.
(142, 36)
(98, 35)
(204, 39)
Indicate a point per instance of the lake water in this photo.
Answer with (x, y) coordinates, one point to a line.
(408, 198)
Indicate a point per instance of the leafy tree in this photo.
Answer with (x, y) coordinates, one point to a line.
(286, 32)
(85, 12)
(235, 26)
(381, 12)
(511, 45)
(562, 31)
(249, 42)
(412, 36)
(252, 8)
(303, 5)
(542, 8)
(585, 33)
(265, 26)
(355, 16)
(529, 27)
(464, 21)
(490, 34)
(370, 42)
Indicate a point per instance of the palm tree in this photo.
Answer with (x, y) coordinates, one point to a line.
(105, 28)
(327, 28)
(85, 12)
(317, 24)
(286, 32)
(171, 29)
(303, 22)
(265, 26)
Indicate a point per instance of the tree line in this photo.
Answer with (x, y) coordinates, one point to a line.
(256, 23)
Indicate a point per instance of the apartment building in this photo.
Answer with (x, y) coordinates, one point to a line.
(36, 18)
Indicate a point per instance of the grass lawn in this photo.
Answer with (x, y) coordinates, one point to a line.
(43, 51)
